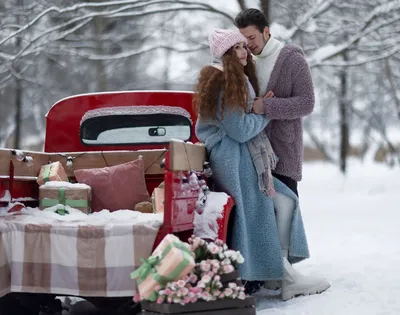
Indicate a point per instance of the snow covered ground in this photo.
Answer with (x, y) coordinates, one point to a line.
(352, 225)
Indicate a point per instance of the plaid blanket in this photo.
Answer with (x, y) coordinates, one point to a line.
(44, 255)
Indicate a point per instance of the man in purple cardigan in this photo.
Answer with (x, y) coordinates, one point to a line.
(283, 72)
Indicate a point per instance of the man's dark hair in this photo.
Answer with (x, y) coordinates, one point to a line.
(251, 17)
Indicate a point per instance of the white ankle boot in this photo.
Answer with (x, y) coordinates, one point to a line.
(294, 283)
(274, 285)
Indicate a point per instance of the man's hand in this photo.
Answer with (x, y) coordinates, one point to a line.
(269, 94)
(258, 105)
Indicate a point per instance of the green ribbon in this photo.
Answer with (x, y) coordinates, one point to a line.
(148, 267)
(69, 202)
(46, 173)
(61, 195)
(45, 203)
(178, 245)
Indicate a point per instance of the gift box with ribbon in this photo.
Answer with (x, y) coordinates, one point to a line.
(52, 172)
(76, 196)
(170, 240)
(170, 261)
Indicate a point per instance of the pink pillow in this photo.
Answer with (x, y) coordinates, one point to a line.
(116, 187)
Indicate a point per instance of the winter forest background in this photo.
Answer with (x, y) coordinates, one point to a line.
(50, 49)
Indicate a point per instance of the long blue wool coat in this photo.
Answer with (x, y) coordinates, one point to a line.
(254, 230)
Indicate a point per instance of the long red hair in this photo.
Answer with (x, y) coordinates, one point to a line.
(231, 80)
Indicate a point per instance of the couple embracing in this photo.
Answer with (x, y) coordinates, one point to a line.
(250, 103)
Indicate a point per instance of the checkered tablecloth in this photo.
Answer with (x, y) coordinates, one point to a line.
(71, 258)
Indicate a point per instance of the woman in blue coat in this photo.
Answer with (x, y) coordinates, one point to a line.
(224, 97)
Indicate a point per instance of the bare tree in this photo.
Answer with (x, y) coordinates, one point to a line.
(393, 86)
(18, 85)
(265, 8)
(242, 4)
(344, 105)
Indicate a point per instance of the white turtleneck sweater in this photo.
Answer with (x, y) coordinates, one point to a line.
(265, 62)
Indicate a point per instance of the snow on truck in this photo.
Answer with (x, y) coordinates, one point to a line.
(118, 150)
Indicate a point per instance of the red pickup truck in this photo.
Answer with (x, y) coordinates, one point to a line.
(93, 131)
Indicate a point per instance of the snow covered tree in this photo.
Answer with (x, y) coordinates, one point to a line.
(60, 48)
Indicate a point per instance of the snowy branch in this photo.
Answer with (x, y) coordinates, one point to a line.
(55, 38)
(330, 51)
(127, 5)
(355, 63)
(5, 80)
(111, 9)
(125, 54)
(382, 10)
(314, 12)
(22, 77)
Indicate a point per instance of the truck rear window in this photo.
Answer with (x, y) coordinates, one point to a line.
(135, 125)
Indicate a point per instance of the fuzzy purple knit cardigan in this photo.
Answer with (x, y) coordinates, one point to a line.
(294, 98)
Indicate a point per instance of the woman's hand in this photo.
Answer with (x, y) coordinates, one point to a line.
(258, 106)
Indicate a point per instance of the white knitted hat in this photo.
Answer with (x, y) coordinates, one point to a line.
(221, 40)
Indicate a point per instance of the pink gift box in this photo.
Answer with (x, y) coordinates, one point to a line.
(171, 240)
(174, 265)
(52, 172)
(170, 261)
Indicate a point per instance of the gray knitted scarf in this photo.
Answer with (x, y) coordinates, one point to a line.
(264, 160)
